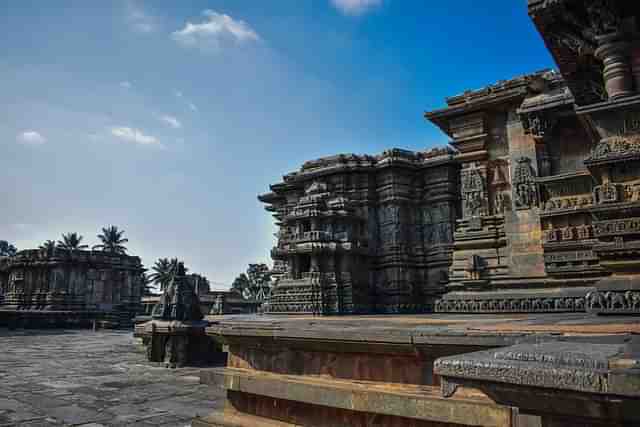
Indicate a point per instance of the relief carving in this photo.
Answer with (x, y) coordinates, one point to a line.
(474, 192)
(615, 147)
(524, 184)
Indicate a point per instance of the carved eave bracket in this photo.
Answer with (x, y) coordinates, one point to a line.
(591, 41)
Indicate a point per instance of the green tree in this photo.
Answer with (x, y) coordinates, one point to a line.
(49, 246)
(241, 283)
(71, 242)
(7, 249)
(163, 271)
(255, 283)
(112, 240)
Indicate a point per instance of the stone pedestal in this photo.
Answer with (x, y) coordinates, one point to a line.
(365, 371)
(178, 343)
(560, 383)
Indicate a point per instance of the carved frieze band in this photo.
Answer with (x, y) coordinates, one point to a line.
(617, 227)
(511, 305)
(615, 148)
(579, 232)
(623, 302)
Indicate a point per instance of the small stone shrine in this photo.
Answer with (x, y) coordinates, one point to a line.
(176, 333)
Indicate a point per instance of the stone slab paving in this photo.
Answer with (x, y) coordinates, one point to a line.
(92, 379)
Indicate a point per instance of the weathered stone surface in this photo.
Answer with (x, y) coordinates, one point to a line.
(75, 377)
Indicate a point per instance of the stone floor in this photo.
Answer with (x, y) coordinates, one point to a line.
(86, 378)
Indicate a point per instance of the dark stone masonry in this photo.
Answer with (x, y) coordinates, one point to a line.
(516, 241)
(40, 287)
(535, 209)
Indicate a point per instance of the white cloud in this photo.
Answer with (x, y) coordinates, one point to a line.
(134, 135)
(355, 7)
(217, 29)
(193, 107)
(139, 20)
(126, 85)
(177, 93)
(31, 137)
(171, 121)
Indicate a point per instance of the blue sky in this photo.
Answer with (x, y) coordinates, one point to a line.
(168, 118)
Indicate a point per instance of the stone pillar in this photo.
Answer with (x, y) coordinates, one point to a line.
(613, 52)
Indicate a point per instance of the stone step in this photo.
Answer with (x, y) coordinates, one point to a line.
(407, 401)
(233, 418)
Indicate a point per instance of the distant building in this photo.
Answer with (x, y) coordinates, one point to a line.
(211, 303)
(63, 285)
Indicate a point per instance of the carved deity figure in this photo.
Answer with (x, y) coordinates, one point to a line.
(524, 184)
(473, 193)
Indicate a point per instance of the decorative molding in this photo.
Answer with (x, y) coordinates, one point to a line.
(615, 148)
(511, 305)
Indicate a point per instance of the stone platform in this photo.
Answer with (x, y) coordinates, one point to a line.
(528, 370)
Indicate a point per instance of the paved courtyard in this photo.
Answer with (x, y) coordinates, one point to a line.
(81, 377)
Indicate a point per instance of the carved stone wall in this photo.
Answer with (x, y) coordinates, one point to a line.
(71, 280)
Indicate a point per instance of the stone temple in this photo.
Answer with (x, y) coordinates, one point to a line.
(62, 286)
(364, 233)
(534, 208)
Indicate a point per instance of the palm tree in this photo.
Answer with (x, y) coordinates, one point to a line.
(48, 246)
(112, 240)
(7, 249)
(162, 270)
(71, 242)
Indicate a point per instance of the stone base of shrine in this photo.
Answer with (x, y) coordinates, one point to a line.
(526, 370)
(179, 343)
(45, 318)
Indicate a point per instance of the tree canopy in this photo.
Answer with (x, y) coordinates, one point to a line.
(255, 283)
(112, 240)
(71, 241)
(7, 249)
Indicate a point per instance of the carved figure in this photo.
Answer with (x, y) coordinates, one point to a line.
(474, 192)
(524, 184)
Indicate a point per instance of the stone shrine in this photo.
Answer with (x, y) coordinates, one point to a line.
(175, 335)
